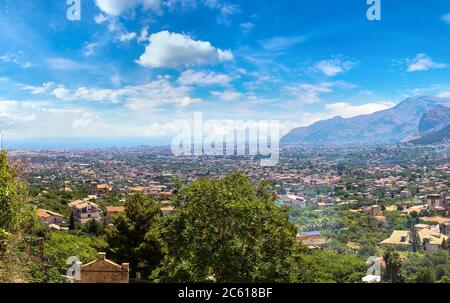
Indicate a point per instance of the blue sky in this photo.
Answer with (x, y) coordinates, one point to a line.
(129, 69)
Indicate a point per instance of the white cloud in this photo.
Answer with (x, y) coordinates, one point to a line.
(225, 55)
(175, 50)
(62, 93)
(161, 130)
(310, 93)
(89, 121)
(127, 37)
(423, 63)
(13, 112)
(444, 94)
(38, 90)
(188, 101)
(281, 43)
(173, 5)
(143, 37)
(333, 67)
(45, 119)
(228, 95)
(203, 78)
(446, 18)
(15, 59)
(145, 96)
(117, 7)
(347, 110)
(225, 9)
(247, 27)
(64, 64)
(116, 79)
(89, 48)
(101, 18)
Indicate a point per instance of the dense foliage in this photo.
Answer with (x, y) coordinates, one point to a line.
(134, 238)
(228, 231)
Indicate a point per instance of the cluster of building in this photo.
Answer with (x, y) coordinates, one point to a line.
(86, 210)
(412, 180)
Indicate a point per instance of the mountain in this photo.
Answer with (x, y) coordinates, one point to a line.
(434, 137)
(434, 127)
(387, 126)
(436, 118)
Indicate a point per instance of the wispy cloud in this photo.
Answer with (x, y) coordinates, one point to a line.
(306, 93)
(333, 67)
(204, 78)
(229, 95)
(118, 7)
(423, 63)
(16, 59)
(90, 48)
(127, 37)
(65, 64)
(150, 95)
(247, 27)
(280, 43)
(446, 18)
(39, 90)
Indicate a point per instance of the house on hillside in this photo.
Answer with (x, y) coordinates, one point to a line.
(313, 240)
(437, 202)
(398, 238)
(84, 211)
(111, 212)
(50, 217)
(100, 190)
(103, 270)
(374, 210)
(429, 238)
(293, 200)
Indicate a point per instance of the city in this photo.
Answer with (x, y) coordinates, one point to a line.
(354, 201)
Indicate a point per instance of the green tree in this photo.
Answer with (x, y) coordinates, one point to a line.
(72, 225)
(445, 279)
(227, 231)
(425, 275)
(415, 240)
(94, 227)
(134, 238)
(445, 245)
(331, 267)
(18, 225)
(9, 193)
(393, 265)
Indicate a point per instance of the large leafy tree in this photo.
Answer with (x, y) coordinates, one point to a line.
(18, 224)
(228, 231)
(134, 237)
(9, 193)
(425, 275)
(331, 267)
(17, 216)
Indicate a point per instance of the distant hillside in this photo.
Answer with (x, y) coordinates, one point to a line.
(436, 118)
(391, 125)
(434, 137)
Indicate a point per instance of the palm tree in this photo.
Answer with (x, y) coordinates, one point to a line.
(393, 265)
